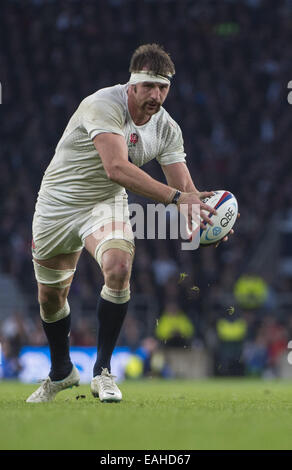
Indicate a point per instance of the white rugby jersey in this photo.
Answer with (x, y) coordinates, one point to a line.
(76, 176)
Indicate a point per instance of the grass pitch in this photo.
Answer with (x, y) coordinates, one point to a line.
(154, 415)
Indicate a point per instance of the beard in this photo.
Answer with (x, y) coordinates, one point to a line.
(151, 107)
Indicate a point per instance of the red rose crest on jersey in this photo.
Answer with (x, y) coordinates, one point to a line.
(133, 138)
(32, 245)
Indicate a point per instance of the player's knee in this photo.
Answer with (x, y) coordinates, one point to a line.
(117, 271)
(117, 276)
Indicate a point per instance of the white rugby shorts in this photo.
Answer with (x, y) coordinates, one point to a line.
(57, 229)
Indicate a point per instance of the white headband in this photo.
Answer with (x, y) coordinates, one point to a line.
(145, 76)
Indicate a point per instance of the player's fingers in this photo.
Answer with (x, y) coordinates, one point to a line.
(204, 194)
(206, 219)
(205, 207)
(225, 239)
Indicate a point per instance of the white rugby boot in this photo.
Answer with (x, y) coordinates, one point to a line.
(49, 389)
(104, 387)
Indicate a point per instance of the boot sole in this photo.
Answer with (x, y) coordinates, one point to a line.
(107, 400)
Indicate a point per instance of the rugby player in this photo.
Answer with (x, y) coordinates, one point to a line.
(111, 135)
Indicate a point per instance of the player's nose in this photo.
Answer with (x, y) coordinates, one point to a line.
(155, 94)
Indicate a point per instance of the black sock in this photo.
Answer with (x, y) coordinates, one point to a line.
(110, 317)
(58, 338)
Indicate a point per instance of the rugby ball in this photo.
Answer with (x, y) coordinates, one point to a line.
(226, 206)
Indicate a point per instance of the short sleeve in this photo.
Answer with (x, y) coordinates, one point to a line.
(102, 116)
(173, 149)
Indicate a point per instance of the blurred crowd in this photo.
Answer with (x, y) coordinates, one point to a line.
(229, 97)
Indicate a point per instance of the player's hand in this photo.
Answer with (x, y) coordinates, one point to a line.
(193, 198)
(225, 239)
